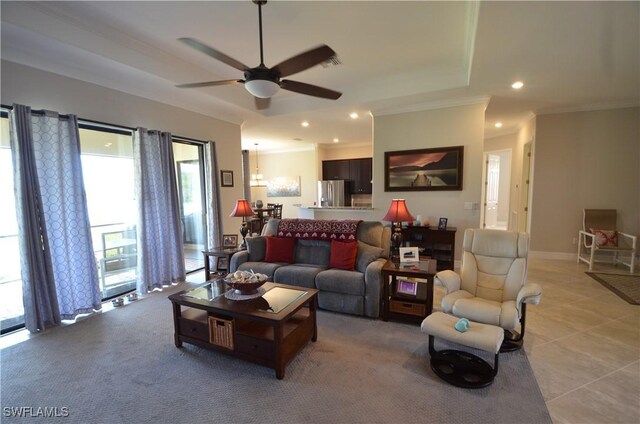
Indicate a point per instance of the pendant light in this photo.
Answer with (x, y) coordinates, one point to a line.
(256, 179)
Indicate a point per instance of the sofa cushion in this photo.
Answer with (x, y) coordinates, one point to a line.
(370, 232)
(312, 252)
(342, 303)
(341, 281)
(279, 249)
(297, 275)
(257, 247)
(366, 254)
(261, 267)
(343, 255)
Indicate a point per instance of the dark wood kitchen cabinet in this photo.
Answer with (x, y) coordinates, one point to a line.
(335, 169)
(360, 172)
(357, 171)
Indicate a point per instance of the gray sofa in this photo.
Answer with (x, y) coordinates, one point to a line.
(355, 292)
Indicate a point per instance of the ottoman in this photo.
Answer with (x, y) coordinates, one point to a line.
(463, 369)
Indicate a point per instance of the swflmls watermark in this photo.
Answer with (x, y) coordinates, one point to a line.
(35, 411)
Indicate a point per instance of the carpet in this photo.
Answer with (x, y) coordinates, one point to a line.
(123, 367)
(626, 287)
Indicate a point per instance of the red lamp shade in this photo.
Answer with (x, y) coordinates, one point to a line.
(398, 212)
(243, 208)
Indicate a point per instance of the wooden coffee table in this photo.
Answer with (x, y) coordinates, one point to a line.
(269, 330)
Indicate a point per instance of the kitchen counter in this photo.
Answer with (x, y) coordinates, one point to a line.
(339, 212)
(337, 208)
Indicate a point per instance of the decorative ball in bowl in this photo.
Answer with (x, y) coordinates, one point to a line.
(245, 282)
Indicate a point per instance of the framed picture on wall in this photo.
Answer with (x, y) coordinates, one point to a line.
(226, 178)
(436, 169)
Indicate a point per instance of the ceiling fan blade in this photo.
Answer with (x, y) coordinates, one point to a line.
(210, 51)
(209, 83)
(304, 60)
(262, 103)
(309, 90)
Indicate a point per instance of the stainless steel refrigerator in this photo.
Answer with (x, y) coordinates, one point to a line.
(332, 193)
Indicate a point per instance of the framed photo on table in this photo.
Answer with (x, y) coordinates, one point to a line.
(409, 254)
(222, 263)
(229, 241)
(407, 287)
(442, 224)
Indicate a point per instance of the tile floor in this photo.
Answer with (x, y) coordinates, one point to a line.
(583, 343)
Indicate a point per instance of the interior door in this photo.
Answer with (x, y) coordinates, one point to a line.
(492, 191)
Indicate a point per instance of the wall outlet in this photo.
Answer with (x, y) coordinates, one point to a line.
(574, 240)
(468, 206)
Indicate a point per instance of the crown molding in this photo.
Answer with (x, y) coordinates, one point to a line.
(588, 108)
(436, 104)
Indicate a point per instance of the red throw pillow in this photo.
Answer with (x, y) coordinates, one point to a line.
(279, 249)
(343, 255)
(605, 238)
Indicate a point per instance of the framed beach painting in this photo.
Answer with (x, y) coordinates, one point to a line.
(436, 169)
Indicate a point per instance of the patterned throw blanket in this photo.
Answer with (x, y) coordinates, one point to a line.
(318, 229)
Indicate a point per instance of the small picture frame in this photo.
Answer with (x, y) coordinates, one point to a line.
(229, 241)
(409, 254)
(407, 287)
(226, 178)
(442, 224)
(222, 263)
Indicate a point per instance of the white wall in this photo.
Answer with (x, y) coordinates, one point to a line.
(303, 164)
(584, 160)
(45, 90)
(454, 126)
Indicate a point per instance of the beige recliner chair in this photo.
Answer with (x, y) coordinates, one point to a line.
(491, 287)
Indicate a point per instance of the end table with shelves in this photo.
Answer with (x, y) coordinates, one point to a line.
(222, 260)
(399, 303)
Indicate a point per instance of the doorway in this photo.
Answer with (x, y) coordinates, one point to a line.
(497, 189)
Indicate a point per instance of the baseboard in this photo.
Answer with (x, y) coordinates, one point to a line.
(560, 256)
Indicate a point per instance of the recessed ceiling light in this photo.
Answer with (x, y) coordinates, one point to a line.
(108, 145)
(335, 140)
(354, 115)
(498, 124)
(517, 85)
(305, 124)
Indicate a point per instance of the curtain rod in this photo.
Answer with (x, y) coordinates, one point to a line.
(42, 111)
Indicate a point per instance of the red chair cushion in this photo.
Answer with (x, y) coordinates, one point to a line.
(605, 238)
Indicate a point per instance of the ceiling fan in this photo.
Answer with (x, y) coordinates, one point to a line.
(263, 82)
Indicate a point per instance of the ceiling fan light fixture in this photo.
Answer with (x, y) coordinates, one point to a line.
(262, 88)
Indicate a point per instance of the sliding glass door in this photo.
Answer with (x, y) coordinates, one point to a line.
(11, 309)
(107, 166)
(189, 158)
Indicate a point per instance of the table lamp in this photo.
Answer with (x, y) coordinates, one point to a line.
(243, 209)
(397, 214)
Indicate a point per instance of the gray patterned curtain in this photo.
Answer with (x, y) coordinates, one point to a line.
(59, 271)
(214, 217)
(159, 228)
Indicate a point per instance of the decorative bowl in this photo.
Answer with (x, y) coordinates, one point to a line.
(247, 283)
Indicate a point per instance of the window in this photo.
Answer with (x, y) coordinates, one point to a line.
(11, 308)
(107, 167)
